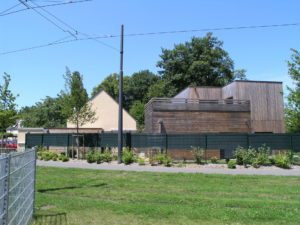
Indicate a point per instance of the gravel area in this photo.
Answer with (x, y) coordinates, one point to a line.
(192, 168)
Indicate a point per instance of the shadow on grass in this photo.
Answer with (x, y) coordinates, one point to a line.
(50, 219)
(70, 188)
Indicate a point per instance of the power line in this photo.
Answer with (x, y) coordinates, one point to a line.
(46, 18)
(211, 29)
(57, 42)
(150, 33)
(14, 6)
(44, 6)
(75, 30)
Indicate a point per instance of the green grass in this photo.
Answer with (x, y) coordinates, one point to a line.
(87, 197)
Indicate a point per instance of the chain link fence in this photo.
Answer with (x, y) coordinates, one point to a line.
(17, 187)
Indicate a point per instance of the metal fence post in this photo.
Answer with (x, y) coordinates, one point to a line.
(7, 168)
(34, 180)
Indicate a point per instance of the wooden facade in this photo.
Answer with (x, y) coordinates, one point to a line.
(240, 107)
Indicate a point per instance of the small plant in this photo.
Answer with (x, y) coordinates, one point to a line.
(153, 160)
(107, 156)
(90, 157)
(198, 154)
(167, 161)
(256, 163)
(65, 158)
(239, 154)
(72, 153)
(231, 165)
(98, 157)
(141, 161)
(127, 157)
(282, 161)
(214, 160)
(160, 158)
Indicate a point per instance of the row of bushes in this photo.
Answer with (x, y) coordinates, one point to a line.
(262, 157)
(47, 155)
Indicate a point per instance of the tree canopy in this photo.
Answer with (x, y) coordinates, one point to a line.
(292, 110)
(199, 62)
(8, 113)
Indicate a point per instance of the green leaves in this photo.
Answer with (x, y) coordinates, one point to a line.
(202, 61)
(8, 113)
(292, 109)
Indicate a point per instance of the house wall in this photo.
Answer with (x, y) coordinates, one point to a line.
(199, 122)
(203, 93)
(266, 103)
(106, 109)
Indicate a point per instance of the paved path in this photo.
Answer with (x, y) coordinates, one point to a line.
(122, 167)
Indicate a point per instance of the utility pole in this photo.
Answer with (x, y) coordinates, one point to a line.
(120, 128)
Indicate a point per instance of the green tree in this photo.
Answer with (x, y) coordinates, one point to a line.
(202, 61)
(138, 86)
(292, 109)
(111, 85)
(8, 113)
(46, 113)
(137, 111)
(76, 100)
(160, 89)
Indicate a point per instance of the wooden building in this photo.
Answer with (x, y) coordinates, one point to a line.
(239, 107)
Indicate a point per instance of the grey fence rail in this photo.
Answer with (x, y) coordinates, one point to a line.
(226, 142)
(17, 186)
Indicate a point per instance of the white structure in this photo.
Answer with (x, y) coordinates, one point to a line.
(106, 109)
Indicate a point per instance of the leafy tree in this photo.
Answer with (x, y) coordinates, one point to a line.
(202, 61)
(138, 86)
(76, 100)
(111, 86)
(160, 89)
(292, 111)
(137, 111)
(47, 113)
(8, 113)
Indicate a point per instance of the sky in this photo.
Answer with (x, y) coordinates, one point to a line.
(38, 73)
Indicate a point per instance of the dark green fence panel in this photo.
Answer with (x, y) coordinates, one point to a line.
(274, 141)
(227, 143)
(34, 140)
(111, 140)
(186, 141)
(90, 140)
(56, 140)
(148, 140)
(296, 142)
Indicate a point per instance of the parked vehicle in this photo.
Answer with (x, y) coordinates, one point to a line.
(11, 144)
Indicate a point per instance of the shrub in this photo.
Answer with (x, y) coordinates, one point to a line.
(262, 159)
(256, 163)
(90, 157)
(98, 157)
(249, 157)
(282, 161)
(231, 165)
(127, 157)
(198, 154)
(65, 158)
(107, 156)
(214, 160)
(167, 160)
(160, 158)
(141, 161)
(239, 154)
(153, 160)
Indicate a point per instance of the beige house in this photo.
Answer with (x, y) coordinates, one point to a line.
(106, 109)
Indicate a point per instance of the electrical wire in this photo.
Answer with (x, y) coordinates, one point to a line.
(14, 6)
(44, 6)
(75, 30)
(151, 33)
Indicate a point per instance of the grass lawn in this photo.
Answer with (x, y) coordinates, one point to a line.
(87, 197)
